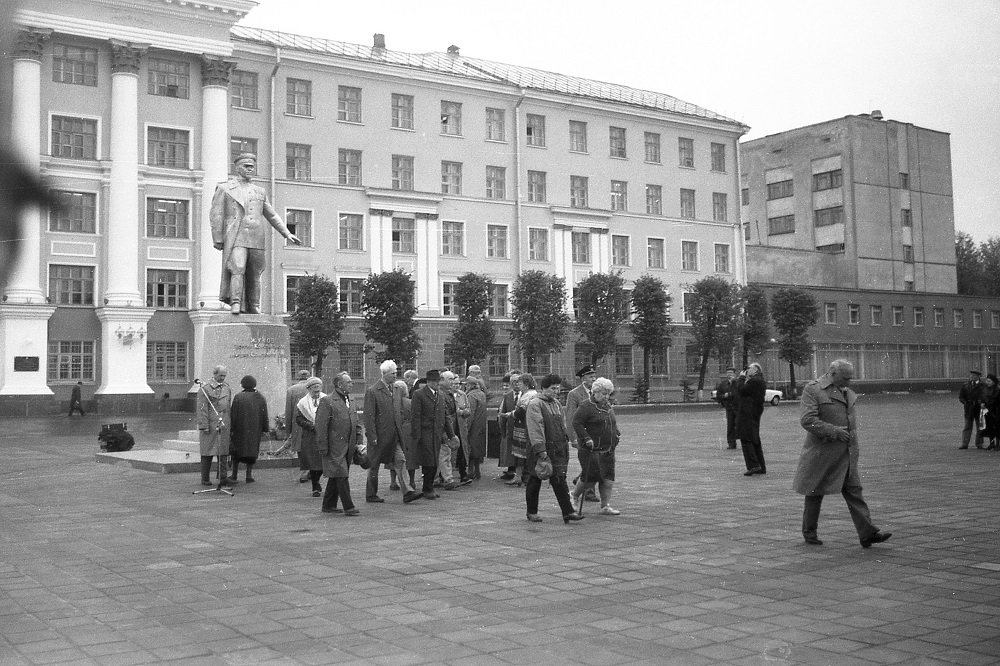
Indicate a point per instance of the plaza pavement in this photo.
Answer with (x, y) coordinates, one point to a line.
(105, 564)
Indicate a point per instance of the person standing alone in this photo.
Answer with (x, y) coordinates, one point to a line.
(725, 395)
(968, 395)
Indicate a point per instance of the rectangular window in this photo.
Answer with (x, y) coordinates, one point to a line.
(298, 97)
(74, 64)
(938, 317)
(745, 196)
(71, 361)
(897, 315)
(350, 295)
(687, 204)
(780, 190)
(76, 212)
(169, 78)
(75, 138)
(906, 216)
(828, 180)
(496, 241)
(908, 254)
(830, 247)
(719, 157)
(876, 314)
(299, 222)
(349, 104)
(578, 136)
(538, 244)
(686, 307)
(292, 284)
(403, 233)
(166, 218)
(71, 285)
(720, 207)
(619, 195)
(498, 302)
(655, 252)
(616, 139)
(496, 182)
(581, 247)
(243, 90)
(536, 129)
(623, 361)
(578, 191)
(451, 118)
(620, 252)
(451, 177)
(722, 258)
(783, 224)
(166, 289)
(831, 313)
(854, 314)
(352, 229)
(958, 318)
(918, 317)
(402, 111)
(298, 161)
(348, 167)
(496, 129)
(689, 255)
(166, 362)
(994, 318)
(453, 239)
(237, 145)
(536, 186)
(652, 143)
(904, 180)
(448, 306)
(352, 359)
(685, 152)
(499, 362)
(824, 217)
(168, 147)
(402, 172)
(654, 200)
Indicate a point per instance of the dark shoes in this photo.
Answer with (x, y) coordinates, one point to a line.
(591, 496)
(374, 499)
(878, 537)
(393, 486)
(207, 483)
(430, 494)
(534, 518)
(352, 512)
(752, 471)
(250, 479)
(813, 540)
(411, 496)
(304, 478)
(231, 480)
(317, 493)
(572, 517)
(507, 476)
(335, 509)
(451, 485)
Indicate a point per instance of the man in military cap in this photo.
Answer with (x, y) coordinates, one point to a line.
(239, 209)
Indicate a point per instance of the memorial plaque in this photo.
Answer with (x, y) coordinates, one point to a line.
(26, 364)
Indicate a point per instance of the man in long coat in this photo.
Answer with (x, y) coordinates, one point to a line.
(238, 215)
(574, 399)
(430, 428)
(829, 460)
(504, 421)
(384, 432)
(338, 432)
(293, 394)
(214, 400)
(968, 395)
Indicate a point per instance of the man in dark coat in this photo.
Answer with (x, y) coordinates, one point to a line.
(76, 400)
(429, 429)
(338, 433)
(507, 405)
(295, 393)
(248, 416)
(725, 395)
(384, 432)
(829, 460)
(968, 395)
(751, 389)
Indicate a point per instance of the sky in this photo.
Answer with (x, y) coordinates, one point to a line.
(771, 64)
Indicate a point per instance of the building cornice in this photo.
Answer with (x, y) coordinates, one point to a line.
(403, 201)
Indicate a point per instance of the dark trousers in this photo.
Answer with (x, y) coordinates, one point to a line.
(338, 489)
(314, 476)
(753, 452)
(429, 472)
(559, 487)
(731, 436)
(855, 504)
(970, 425)
(462, 464)
(76, 406)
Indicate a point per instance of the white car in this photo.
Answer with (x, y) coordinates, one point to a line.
(770, 395)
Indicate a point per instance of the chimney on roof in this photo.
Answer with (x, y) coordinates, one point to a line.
(876, 115)
(378, 45)
(453, 50)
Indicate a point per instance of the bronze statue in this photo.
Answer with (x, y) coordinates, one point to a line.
(239, 209)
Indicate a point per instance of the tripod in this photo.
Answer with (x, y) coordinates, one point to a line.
(218, 427)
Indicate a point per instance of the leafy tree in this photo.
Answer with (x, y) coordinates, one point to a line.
(316, 323)
(756, 321)
(794, 312)
(715, 310)
(990, 253)
(474, 335)
(651, 327)
(600, 311)
(968, 265)
(538, 308)
(387, 305)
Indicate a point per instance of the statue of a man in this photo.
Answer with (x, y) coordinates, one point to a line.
(239, 209)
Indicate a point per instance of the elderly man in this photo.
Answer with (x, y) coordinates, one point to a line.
(456, 407)
(968, 395)
(214, 400)
(725, 395)
(293, 394)
(239, 211)
(829, 460)
(430, 429)
(384, 431)
(575, 398)
(338, 433)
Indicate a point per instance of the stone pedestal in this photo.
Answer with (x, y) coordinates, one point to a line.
(248, 345)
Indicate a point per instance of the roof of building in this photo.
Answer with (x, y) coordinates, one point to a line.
(485, 70)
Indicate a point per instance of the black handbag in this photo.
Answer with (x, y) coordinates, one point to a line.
(360, 458)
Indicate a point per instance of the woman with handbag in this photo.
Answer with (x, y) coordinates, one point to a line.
(597, 434)
(305, 419)
(547, 452)
(519, 430)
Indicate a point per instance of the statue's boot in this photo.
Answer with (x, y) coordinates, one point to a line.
(235, 307)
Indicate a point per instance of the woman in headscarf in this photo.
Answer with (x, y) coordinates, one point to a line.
(305, 417)
(249, 420)
(596, 430)
(475, 424)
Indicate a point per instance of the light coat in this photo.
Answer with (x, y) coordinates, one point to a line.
(338, 432)
(214, 429)
(574, 399)
(477, 433)
(827, 463)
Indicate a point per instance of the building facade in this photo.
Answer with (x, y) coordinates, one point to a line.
(436, 164)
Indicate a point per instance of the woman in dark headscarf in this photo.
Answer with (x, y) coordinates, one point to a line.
(249, 420)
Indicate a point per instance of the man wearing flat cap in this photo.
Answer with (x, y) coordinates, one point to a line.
(239, 210)
(429, 429)
(969, 396)
(574, 399)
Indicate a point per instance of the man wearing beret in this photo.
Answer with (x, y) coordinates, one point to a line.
(968, 395)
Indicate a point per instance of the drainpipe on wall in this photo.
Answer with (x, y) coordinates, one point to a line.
(517, 182)
(271, 125)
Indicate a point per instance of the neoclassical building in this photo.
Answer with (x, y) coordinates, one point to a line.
(434, 163)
